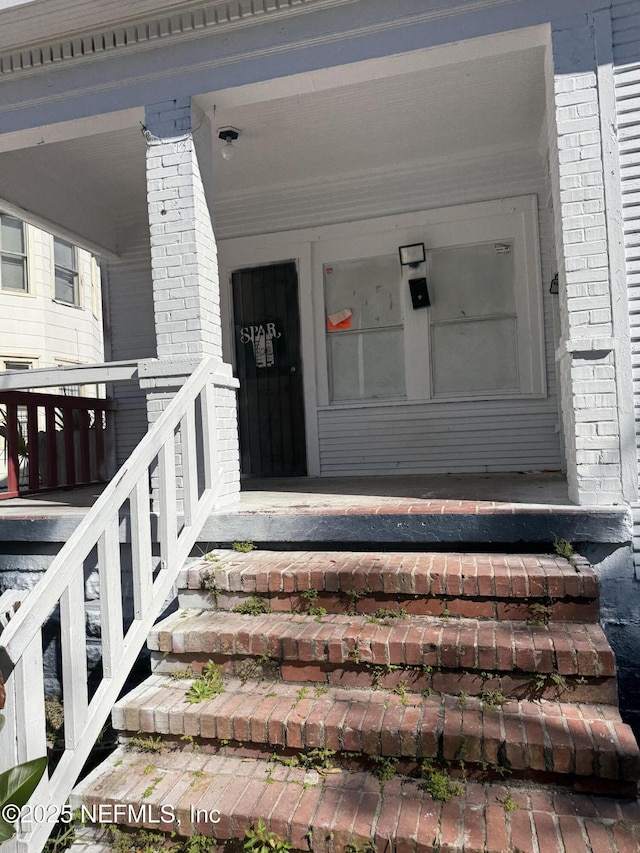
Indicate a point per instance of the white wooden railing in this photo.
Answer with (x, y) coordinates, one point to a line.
(191, 416)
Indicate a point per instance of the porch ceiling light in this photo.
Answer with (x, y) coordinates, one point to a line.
(229, 136)
(413, 255)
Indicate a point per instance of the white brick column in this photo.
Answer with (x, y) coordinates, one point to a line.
(184, 263)
(586, 355)
(184, 266)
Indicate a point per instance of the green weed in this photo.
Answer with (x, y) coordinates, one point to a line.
(207, 685)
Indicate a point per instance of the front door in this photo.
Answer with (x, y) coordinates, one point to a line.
(267, 340)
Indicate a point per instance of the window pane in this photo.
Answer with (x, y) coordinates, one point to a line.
(63, 254)
(65, 286)
(17, 365)
(475, 356)
(12, 238)
(13, 273)
(471, 281)
(369, 288)
(367, 366)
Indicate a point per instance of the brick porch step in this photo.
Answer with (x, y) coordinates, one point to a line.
(437, 653)
(480, 585)
(341, 811)
(543, 740)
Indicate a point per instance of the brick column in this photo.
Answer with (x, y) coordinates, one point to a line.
(184, 266)
(586, 355)
(184, 263)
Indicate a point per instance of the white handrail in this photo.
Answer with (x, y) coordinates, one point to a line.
(63, 585)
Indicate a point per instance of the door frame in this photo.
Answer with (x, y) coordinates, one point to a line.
(244, 253)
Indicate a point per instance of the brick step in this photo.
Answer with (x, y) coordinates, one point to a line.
(493, 586)
(538, 740)
(337, 812)
(332, 642)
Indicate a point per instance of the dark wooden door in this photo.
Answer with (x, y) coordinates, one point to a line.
(267, 340)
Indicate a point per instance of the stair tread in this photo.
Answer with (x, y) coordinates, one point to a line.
(567, 648)
(349, 807)
(423, 573)
(544, 736)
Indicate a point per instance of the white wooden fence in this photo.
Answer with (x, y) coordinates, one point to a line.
(191, 415)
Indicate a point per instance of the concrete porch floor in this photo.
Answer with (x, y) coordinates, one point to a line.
(422, 493)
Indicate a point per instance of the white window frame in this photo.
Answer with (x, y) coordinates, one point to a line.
(76, 273)
(514, 220)
(25, 255)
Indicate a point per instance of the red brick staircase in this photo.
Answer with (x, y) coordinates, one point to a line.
(422, 701)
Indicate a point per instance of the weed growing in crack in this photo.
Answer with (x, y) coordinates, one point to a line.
(259, 840)
(438, 783)
(145, 744)
(243, 547)
(253, 606)
(207, 685)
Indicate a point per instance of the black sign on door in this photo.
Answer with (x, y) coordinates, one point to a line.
(267, 340)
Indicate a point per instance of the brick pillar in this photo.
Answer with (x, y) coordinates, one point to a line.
(184, 267)
(586, 355)
(184, 263)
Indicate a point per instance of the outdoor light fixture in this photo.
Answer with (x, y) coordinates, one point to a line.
(413, 255)
(229, 135)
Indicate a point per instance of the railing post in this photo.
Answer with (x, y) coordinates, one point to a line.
(13, 454)
(141, 558)
(110, 597)
(167, 502)
(73, 642)
(33, 447)
(69, 445)
(189, 463)
(209, 434)
(24, 734)
(52, 446)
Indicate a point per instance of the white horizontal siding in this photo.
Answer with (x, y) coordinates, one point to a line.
(442, 438)
(132, 329)
(626, 47)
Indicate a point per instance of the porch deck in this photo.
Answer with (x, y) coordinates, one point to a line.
(441, 508)
(442, 493)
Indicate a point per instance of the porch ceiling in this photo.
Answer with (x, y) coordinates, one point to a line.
(465, 110)
(459, 111)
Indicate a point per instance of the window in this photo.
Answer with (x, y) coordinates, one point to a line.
(16, 365)
(66, 272)
(13, 255)
(481, 335)
(474, 335)
(364, 329)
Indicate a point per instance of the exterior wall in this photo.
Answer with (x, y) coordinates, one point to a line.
(132, 330)
(34, 327)
(622, 618)
(496, 435)
(626, 48)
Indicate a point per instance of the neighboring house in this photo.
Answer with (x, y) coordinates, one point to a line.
(50, 299)
(50, 307)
